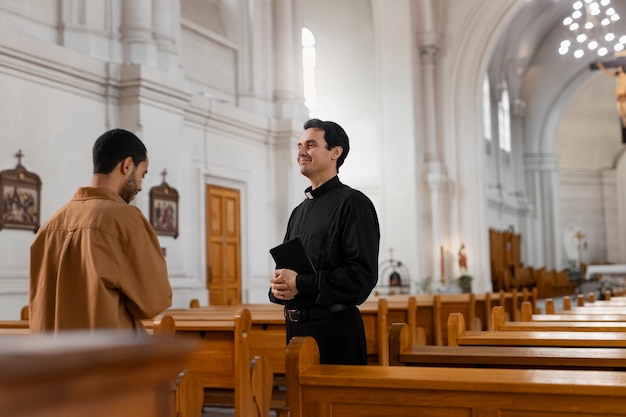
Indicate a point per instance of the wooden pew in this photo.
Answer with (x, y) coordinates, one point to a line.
(458, 336)
(25, 313)
(595, 310)
(527, 324)
(446, 304)
(567, 314)
(578, 317)
(338, 390)
(222, 360)
(430, 315)
(266, 339)
(377, 315)
(401, 353)
(14, 324)
(266, 336)
(109, 373)
(14, 327)
(188, 394)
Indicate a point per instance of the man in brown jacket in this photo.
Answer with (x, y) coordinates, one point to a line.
(97, 263)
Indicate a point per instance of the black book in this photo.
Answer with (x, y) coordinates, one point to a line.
(291, 255)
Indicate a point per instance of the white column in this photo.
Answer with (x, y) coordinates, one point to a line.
(136, 28)
(165, 18)
(517, 152)
(288, 87)
(436, 179)
(612, 216)
(543, 192)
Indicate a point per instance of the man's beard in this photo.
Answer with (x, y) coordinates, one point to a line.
(129, 190)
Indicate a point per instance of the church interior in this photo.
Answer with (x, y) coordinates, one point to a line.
(465, 113)
(497, 125)
(489, 134)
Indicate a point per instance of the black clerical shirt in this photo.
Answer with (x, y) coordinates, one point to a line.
(339, 229)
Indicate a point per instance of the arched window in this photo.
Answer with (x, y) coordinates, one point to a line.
(504, 120)
(486, 109)
(308, 65)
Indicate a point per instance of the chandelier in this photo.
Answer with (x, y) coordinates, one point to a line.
(590, 30)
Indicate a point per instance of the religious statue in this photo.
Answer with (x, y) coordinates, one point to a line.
(462, 259)
(620, 89)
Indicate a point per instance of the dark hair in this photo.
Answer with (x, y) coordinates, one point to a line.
(114, 146)
(334, 136)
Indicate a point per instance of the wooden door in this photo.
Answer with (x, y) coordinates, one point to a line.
(223, 245)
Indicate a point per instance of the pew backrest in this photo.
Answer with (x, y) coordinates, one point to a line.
(314, 389)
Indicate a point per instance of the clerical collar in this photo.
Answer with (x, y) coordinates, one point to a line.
(332, 183)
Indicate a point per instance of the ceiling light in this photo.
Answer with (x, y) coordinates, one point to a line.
(591, 25)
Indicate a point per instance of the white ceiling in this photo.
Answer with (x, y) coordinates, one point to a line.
(582, 102)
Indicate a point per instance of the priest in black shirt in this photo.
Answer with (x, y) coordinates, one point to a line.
(339, 229)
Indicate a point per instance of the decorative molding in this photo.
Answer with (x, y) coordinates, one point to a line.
(580, 177)
(139, 82)
(428, 54)
(187, 24)
(541, 162)
(41, 62)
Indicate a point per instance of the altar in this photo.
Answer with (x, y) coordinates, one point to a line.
(616, 270)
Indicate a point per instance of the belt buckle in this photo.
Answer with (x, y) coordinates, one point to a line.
(292, 315)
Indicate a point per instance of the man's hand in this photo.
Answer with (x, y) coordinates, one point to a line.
(283, 284)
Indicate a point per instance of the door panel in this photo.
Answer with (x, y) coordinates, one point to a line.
(223, 245)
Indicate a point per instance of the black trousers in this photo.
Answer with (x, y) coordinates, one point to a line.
(340, 337)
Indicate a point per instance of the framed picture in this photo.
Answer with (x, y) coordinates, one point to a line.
(21, 198)
(164, 209)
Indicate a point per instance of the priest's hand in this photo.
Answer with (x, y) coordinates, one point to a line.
(283, 284)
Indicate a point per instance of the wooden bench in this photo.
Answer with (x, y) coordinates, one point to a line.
(458, 336)
(339, 390)
(266, 338)
(401, 353)
(108, 373)
(578, 317)
(427, 311)
(378, 313)
(499, 323)
(188, 388)
(222, 360)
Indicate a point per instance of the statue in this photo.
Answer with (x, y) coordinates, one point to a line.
(620, 89)
(462, 259)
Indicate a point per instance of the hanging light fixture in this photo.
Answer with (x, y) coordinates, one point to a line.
(590, 30)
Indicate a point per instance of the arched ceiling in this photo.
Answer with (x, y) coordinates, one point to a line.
(568, 106)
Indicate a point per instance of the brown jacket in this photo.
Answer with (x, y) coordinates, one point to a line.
(96, 263)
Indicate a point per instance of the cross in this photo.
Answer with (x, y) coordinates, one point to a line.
(618, 63)
(618, 60)
(390, 253)
(163, 174)
(580, 236)
(19, 155)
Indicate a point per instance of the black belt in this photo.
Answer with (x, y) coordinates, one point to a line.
(313, 313)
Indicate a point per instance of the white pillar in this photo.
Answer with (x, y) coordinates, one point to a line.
(136, 28)
(165, 18)
(288, 85)
(544, 226)
(436, 179)
(612, 216)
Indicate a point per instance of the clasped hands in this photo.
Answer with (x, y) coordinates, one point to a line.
(283, 284)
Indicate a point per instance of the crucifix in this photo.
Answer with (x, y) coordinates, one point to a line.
(581, 244)
(166, 188)
(19, 155)
(618, 64)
